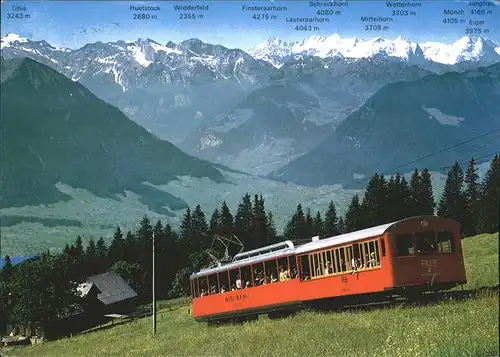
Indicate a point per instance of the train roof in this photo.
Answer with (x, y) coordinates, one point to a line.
(245, 262)
(344, 238)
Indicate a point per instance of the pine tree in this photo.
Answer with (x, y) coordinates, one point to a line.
(375, 203)
(421, 194)
(101, 252)
(90, 258)
(309, 224)
(353, 216)
(296, 227)
(405, 200)
(243, 220)
(452, 203)
(78, 251)
(116, 250)
(226, 221)
(318, 225)
(200, 229)
(259, 224)
(272, 233)
(472, 196)
(145, 232)
(215, 223)
(7, 269)
(341, 225)
(331, 227)
(300, 223)
(129, 248)
(425, 201)
(186, 233)
(414, 191)
(393, 199)
(490, 196)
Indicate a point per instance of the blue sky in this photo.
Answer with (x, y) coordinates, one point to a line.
(75, 23)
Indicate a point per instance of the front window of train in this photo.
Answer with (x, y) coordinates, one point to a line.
(422, 243)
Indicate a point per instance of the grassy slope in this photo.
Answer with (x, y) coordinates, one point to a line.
(454, 329)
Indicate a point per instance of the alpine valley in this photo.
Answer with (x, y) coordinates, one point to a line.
(108, 132)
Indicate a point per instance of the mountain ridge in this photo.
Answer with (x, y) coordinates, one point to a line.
(426, 115)
(277, 52)
(53, 140)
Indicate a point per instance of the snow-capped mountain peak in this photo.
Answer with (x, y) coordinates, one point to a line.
(131, 63)
(12, 38)
(464, 49)
(277, 51)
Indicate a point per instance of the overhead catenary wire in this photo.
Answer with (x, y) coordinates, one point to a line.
(469, 155)
(394, 169)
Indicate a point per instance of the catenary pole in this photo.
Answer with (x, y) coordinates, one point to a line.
(154, 295)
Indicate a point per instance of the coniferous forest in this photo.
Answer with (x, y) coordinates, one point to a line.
(39, 289)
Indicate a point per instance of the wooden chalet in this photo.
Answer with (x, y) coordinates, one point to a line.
(102, 294)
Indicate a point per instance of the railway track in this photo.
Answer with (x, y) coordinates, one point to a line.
(414, 300)
(395, 301)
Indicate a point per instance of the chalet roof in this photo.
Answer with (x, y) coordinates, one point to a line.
(84, 288)
(112, 288)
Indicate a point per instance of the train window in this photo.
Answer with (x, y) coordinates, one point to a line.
(338, 262)
(348, 257)
(374, 259)
(283, 265)
(426, 242)
(246, 277)
(197, 287)
(363, 254)
(404, 244)
(445, 242)
(305, 271)
(258, 274)
(213, 285)
(203, 286)
(316, 269)
(329, 257)
(293, 267)
(223, 281)
(382, 245)
(234, 276)
(271, 271)
(342, 260)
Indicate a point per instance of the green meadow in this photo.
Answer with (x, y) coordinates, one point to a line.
(450, 328)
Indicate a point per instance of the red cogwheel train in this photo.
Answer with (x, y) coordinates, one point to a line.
(403, 258)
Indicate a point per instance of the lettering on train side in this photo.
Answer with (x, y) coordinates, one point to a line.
(235, 298)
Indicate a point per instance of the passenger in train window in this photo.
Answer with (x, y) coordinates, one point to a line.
(328, 268)
(233, 288)
(294, 274)
(342, 265)
(283, 276)
(222, 289)
(203, 292)
(372, 262)
(239, 284)
(256, 277)
(261, 279)
(355, 265)
(213, 290)
(247, 285)
(272, 278)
